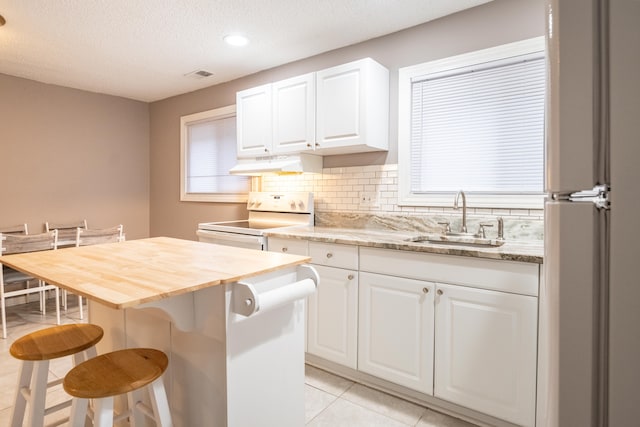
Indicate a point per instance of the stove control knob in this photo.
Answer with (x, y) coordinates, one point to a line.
(301, 205)
(292, 203)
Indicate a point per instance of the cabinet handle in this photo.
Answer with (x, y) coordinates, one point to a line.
(285, 249)
(440, 292)
(425, 290)
(329, 255)
(350, 277)
(266, 150)
(317, 145)
(308, 144)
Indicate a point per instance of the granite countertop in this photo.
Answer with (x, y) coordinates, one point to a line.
(523, 251)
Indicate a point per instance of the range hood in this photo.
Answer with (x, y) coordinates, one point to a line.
(278, 165)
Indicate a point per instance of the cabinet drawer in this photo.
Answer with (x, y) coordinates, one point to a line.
(506, 276)
(333, 255)
(289, 246)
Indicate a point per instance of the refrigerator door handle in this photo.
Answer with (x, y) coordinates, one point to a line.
(599, 196)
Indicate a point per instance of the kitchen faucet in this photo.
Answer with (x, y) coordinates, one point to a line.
(463, 229)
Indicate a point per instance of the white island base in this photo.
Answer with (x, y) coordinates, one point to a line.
(225, 369)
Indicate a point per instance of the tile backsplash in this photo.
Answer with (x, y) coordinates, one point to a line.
(339, 192)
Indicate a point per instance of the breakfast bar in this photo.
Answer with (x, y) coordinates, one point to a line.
(230, 319)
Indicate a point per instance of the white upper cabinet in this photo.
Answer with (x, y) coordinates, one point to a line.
(343, 109)
(352, 108)
(294, 119)
(254, 123)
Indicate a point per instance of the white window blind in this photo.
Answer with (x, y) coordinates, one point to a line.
(211, 153)
(479, 128)
(208, 142)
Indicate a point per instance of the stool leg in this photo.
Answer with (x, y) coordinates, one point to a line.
(78, 412)
(136, 419)
(24, 381)
(38, 393)
(103, 415)
(57, 306)
(4, 314)
(82, 356)
(159, 403)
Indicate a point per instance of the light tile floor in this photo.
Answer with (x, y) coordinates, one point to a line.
(334, 401)
(330, 400)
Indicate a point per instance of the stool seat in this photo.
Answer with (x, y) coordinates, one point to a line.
(115, 373)
(55, 342)
(120, 372)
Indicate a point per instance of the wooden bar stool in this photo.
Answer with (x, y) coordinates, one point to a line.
(36, 350)
(116, 373)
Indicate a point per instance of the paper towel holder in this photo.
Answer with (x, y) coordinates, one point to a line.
(247, 301)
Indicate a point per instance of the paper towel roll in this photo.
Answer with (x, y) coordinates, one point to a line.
(285, 294)
(248, 301)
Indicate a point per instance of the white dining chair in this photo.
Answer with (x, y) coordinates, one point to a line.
(87, 236)
(66, 231)
(14, 244)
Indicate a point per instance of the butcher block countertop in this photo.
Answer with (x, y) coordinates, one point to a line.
(121, 275)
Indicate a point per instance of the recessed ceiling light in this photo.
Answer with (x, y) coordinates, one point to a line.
(2, 21)
(236, 40)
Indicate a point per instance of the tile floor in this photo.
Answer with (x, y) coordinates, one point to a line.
(333, 401)
(330, 400)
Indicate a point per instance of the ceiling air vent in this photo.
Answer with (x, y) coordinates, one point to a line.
(200, 74)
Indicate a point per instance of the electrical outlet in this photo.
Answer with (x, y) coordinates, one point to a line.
(369, 199)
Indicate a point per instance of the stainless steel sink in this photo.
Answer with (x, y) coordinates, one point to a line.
(458, 239)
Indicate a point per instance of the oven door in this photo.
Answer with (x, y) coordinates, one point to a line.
(232, 239)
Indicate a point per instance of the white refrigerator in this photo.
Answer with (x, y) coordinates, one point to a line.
(590, 297)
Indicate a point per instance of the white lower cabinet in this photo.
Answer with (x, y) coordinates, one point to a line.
(395, 336)
(485, 351)
(461, 329)
(332, 329)
(483, 323)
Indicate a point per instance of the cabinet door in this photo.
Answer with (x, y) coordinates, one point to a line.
(395, 337)
(333, 316)
(294, 114)
(485, 351)
(352, 109)
(339, 106)
(254, 120)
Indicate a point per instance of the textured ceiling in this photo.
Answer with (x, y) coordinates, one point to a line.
(142, 49)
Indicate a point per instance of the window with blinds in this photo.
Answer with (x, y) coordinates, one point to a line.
(208, 152)
(476, 123)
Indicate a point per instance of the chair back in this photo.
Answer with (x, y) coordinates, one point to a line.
(15, 244)
(87, 236)
(66, 231)
(15, 229)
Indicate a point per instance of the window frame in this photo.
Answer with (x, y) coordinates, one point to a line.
(185, 121)
(445, 199)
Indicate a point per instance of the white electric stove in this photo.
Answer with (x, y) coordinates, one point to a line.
(267, 211)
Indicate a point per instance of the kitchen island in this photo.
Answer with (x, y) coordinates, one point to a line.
(230, 319)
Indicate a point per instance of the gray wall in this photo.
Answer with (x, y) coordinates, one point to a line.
(495, 23)
(68, 154)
